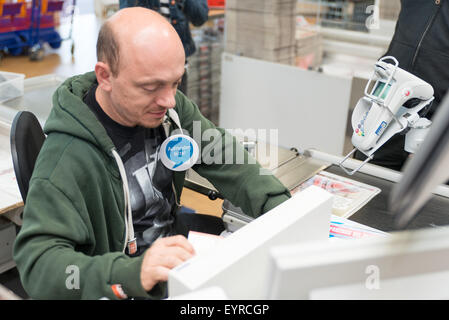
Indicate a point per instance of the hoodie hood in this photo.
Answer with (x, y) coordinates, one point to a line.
(72, 116)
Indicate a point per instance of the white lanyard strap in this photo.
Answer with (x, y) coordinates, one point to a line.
(130, 239)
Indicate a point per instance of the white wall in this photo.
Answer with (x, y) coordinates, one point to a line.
(308, 108)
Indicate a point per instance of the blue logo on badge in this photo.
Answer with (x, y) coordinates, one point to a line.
(179, 151)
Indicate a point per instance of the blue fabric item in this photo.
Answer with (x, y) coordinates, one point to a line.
(183, 209)
(181, 13)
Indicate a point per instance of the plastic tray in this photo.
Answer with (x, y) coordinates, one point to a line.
(11, 85)
(37, 98)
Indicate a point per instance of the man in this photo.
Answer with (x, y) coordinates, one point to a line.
(421, 45)
(179, 13)
(99, 189)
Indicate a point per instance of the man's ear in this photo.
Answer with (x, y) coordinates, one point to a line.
(104, 75)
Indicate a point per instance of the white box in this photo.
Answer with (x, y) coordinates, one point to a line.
(405, 265)
(239, 263)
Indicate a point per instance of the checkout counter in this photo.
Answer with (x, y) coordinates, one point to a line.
(294, 168)
(334, 260)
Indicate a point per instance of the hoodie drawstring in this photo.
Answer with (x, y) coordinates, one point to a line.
(130, 239)
(129, 228)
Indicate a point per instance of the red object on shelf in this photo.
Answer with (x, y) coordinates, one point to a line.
(216, 3)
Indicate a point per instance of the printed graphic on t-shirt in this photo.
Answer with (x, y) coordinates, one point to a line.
(151, 193)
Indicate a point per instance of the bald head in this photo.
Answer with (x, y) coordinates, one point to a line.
(134, 33)
(140, 64)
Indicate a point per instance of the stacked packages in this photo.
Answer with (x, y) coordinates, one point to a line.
(262, 29)
(204, 72)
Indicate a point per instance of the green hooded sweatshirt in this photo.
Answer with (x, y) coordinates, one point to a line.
(71, 244)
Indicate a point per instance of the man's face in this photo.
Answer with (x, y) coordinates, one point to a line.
(144, 89)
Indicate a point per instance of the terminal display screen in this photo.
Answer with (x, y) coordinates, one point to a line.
(378, 89)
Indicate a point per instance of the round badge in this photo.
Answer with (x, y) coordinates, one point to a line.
(179, 152)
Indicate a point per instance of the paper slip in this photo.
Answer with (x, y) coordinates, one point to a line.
(202, 242)
(342, 228)
(349, 195)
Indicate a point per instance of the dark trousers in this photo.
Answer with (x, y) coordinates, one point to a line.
(391, 155)
(186, 222)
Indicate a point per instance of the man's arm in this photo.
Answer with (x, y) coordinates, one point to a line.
(49, 258)
(242, 184)
(51, 265)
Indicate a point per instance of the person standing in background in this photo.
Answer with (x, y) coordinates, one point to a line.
(179, 13)
(421, 45)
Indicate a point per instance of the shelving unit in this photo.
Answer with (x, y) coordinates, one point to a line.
(343, 14)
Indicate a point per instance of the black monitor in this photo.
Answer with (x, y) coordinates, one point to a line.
(428, 168)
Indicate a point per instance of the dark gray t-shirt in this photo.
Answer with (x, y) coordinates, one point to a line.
(149, 181)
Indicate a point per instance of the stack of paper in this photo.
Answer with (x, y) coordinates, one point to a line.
(262, 29)
(204, 72)
(203, 242)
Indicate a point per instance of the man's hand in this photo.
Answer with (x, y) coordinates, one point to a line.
(163, 255)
